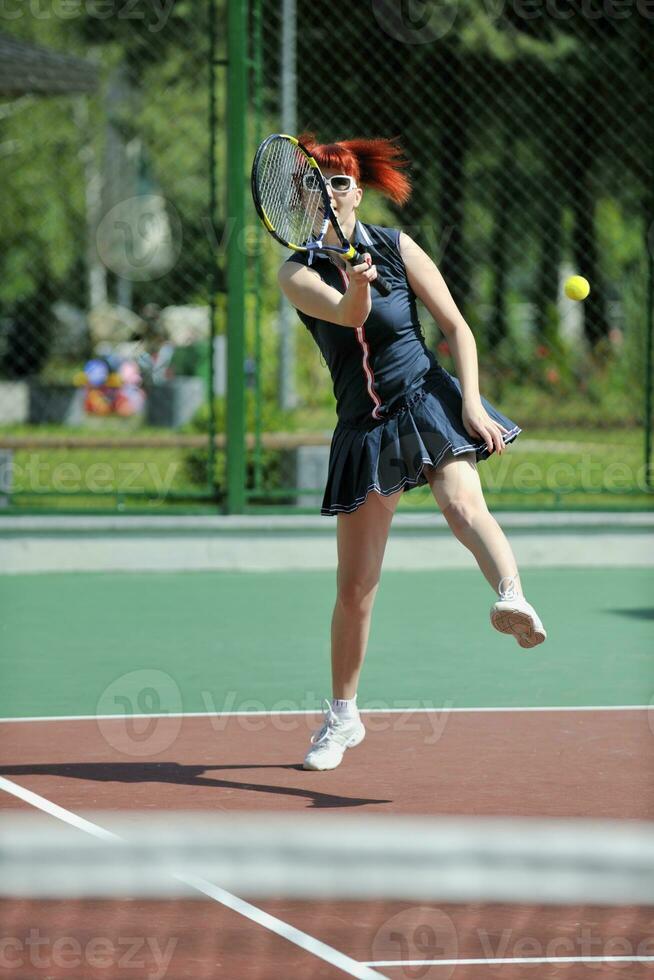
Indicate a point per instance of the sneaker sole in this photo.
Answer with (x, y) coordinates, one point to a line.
(520, 625)
(355, 740)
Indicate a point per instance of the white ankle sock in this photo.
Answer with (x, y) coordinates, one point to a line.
(345, 708)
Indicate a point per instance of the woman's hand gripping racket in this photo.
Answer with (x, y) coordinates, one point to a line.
(292, 200)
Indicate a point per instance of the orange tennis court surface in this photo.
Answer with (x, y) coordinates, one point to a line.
(558, 763)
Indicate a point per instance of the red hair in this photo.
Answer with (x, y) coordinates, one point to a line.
(373, 163)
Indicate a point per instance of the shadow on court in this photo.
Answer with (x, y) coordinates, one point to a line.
(183, 775)
(647, 613)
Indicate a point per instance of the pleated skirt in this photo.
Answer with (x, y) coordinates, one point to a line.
(391, 454)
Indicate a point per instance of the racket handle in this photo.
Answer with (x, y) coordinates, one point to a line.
(379, 283)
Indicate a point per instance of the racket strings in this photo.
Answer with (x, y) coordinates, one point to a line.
(295, 214)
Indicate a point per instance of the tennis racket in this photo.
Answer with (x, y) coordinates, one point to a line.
(291, 199)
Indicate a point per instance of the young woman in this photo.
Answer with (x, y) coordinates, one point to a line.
(403, 420)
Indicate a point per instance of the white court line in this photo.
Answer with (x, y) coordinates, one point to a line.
(56, 811)
(515, 960)
(314, 946)
(316, 711)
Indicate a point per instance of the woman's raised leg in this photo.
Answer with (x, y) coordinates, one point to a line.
(457, 489)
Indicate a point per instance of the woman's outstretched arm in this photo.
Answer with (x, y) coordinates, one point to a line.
(430, 287)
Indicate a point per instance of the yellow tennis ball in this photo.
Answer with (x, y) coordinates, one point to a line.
(576, 287)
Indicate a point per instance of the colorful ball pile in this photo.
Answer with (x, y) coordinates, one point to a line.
(112, 387)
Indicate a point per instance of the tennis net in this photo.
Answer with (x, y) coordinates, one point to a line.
(269, 896)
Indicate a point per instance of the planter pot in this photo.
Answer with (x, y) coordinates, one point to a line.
(174, 402)
(6, 475)
(14, 402)
(59, 404)
(306, 467)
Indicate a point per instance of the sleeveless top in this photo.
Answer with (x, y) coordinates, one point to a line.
(374, 366)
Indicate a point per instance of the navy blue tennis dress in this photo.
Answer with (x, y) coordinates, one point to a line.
(397, 407)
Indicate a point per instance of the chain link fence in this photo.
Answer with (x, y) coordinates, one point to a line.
(111, 333)
(530, 128)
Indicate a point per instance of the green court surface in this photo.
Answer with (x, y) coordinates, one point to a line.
(77, 644)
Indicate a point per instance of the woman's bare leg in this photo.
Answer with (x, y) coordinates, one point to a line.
(457, 490)
(361, 542)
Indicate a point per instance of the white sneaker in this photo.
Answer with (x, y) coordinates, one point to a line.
(513, 614)
(328, 745)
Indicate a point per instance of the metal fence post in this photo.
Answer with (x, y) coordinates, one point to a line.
(257, 105)
(213, 271)
(649, 328)
(236, 118)
(649, 315)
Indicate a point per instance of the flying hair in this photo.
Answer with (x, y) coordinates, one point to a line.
(376, 163)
